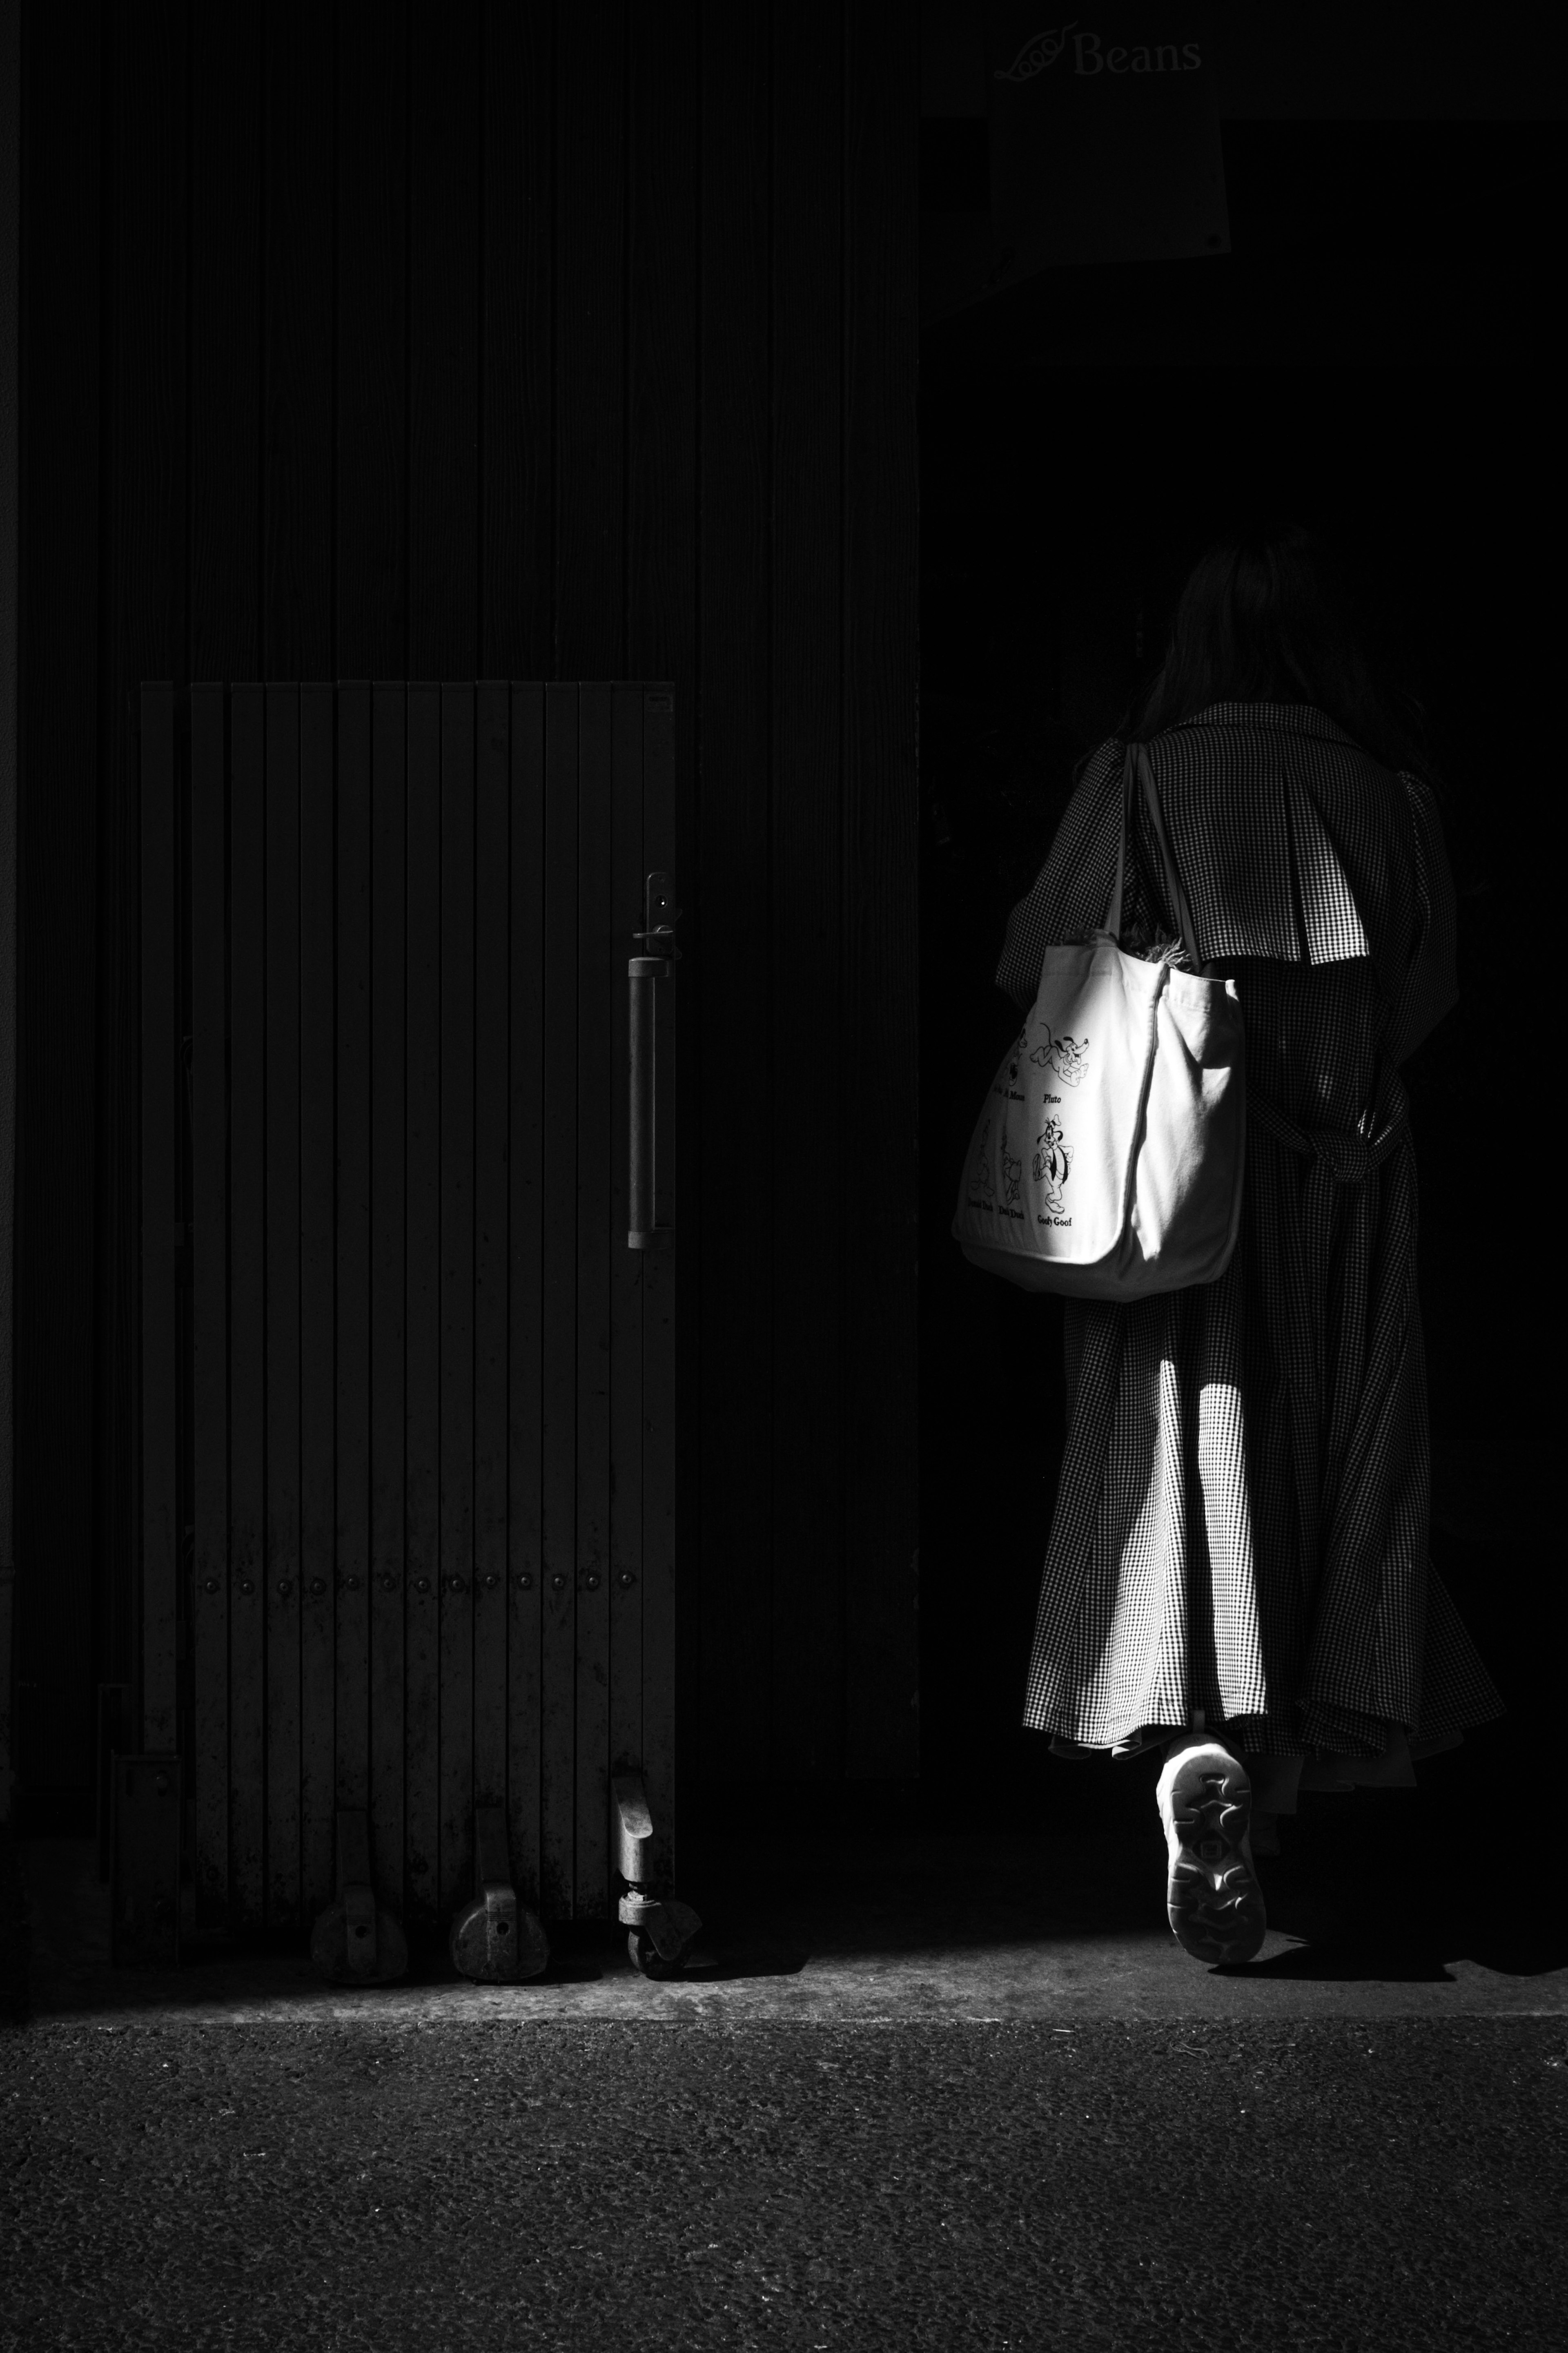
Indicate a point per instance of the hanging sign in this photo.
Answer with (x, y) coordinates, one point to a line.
(1104, 137)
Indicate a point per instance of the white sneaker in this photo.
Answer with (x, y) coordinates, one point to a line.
(1212, 1895)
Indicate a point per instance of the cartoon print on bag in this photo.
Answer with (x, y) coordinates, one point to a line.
(1012, 1172)
(1052, 1163)
(1068, 1057)
(1008, 1082)
(982, 1175)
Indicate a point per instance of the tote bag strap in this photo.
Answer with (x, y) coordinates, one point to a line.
(1176, 897)
(1137, 768)
(1113, 913)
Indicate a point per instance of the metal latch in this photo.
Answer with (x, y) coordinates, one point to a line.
(662, 1930)
(649, 1156)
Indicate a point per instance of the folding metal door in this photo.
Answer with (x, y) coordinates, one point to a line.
(408, 1390)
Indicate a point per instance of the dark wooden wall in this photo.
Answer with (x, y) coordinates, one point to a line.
(487, 341)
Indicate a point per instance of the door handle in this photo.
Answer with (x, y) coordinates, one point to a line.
(643, 976)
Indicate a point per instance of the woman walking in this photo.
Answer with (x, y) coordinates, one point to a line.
(1238, 1567)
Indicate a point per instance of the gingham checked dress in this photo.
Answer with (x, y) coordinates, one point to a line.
(1241, 1522)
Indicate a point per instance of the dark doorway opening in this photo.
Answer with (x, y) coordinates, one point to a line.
(1079, 446)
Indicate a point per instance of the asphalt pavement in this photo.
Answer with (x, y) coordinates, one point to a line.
(1116, 2183)
(926, 2083)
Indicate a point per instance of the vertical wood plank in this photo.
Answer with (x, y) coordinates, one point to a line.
(248, 1305)
(443, 329)
(456, 1407)
(317, 1385)
(159, 1208)
(491, 1096)
(53, 146)
(590, 342)
(558, 1663)
(686, 1275)
(626, 1484)
(209, 1304)
(809, 1695)
(422, 1294)
(282, 1168)
(226, 342)
(391, 1601)
(144, 637)
(662, 520)
(517, 507)
(597, 1074)
(881, 983)
(660, 1269)
(525, 1305)
(352, 1368)
(661, 349)
(11, 269)
(730, 898)
(371, 570)
(297, 535)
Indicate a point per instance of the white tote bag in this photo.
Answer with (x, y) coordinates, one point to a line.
(1106, 1161)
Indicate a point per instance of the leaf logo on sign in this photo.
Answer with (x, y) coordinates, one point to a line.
(1040, 50)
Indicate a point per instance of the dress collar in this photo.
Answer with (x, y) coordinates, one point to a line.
(1290, 718)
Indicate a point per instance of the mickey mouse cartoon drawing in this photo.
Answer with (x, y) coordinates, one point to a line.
(1052, 1163)
(982, 1175)
(1068, 1057)
(1010, 1075)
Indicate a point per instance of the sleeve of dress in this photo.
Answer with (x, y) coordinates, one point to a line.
(1069, 895)
(1431, 980)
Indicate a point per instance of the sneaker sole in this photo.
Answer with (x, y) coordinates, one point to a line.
(1213, 1900)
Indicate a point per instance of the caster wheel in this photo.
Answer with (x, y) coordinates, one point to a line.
(648, 1961)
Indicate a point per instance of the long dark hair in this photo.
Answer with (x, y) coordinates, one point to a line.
(1268, 615)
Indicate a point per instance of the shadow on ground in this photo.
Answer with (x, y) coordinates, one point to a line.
(1031, 1899)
